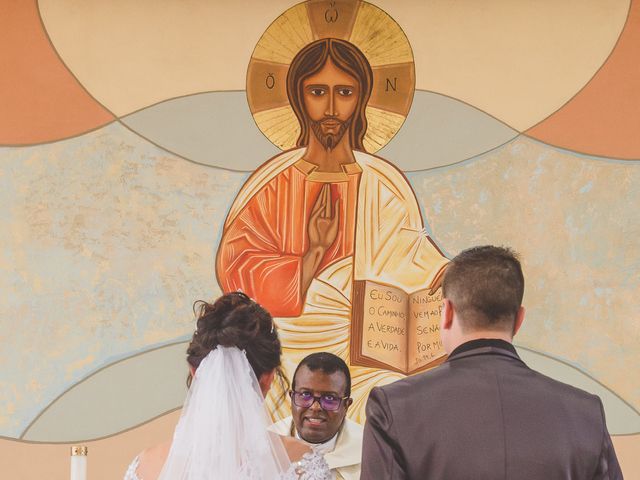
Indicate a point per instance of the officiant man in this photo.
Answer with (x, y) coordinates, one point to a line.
(320, 399)
(484, 414)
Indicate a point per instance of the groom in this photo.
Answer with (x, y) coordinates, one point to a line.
(484, 414)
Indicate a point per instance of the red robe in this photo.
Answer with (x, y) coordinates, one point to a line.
(262, 249)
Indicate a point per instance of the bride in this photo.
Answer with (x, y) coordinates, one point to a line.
(222, 433)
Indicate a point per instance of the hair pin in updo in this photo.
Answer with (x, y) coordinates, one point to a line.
(240, 292)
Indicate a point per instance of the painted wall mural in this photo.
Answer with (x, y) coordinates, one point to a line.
(171, 155)
(326, 235)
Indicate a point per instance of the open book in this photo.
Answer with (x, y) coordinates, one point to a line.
(394, 330)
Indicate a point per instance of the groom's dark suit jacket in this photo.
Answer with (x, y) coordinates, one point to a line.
(483, 414)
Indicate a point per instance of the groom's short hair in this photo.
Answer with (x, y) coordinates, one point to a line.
(327, 363)
(485, 285)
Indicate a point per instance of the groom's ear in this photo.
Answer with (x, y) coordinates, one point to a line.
(446, 321)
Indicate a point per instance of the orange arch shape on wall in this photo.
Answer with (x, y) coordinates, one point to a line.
(41, 100)
(604, 117)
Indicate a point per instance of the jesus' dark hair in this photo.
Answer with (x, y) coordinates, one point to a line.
(346, 57)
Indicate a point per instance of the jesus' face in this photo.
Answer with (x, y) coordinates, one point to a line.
(330, 98)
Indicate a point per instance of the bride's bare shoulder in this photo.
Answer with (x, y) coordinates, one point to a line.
(151, 461)
(295, 448)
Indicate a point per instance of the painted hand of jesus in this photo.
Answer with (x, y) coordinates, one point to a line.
(322, 230)
(323, 223)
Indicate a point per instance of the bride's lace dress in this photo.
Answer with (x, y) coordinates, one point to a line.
(312, 467)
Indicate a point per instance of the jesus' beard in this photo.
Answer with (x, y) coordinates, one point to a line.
(330, 140)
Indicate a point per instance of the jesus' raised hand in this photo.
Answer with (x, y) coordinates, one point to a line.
(322, 230)
(323, 222)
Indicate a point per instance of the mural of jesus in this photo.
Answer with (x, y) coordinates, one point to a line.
(315, 220)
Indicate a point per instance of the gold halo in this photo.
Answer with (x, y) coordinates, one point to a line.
(368, 27)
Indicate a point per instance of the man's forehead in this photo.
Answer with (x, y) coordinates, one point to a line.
(319, 379)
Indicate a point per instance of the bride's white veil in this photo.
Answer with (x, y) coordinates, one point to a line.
(222, 432)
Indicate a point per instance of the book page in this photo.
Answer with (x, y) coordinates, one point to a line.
(425, 345)
(384, 324)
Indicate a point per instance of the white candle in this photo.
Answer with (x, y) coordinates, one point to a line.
(78, 462)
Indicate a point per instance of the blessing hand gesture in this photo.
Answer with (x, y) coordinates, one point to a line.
(324, 219)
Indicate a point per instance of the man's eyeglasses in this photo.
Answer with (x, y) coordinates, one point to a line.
(327, 402)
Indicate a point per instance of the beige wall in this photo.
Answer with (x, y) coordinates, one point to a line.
(125, 135)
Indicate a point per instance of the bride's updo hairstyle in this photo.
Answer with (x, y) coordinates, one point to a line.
(235, 320)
